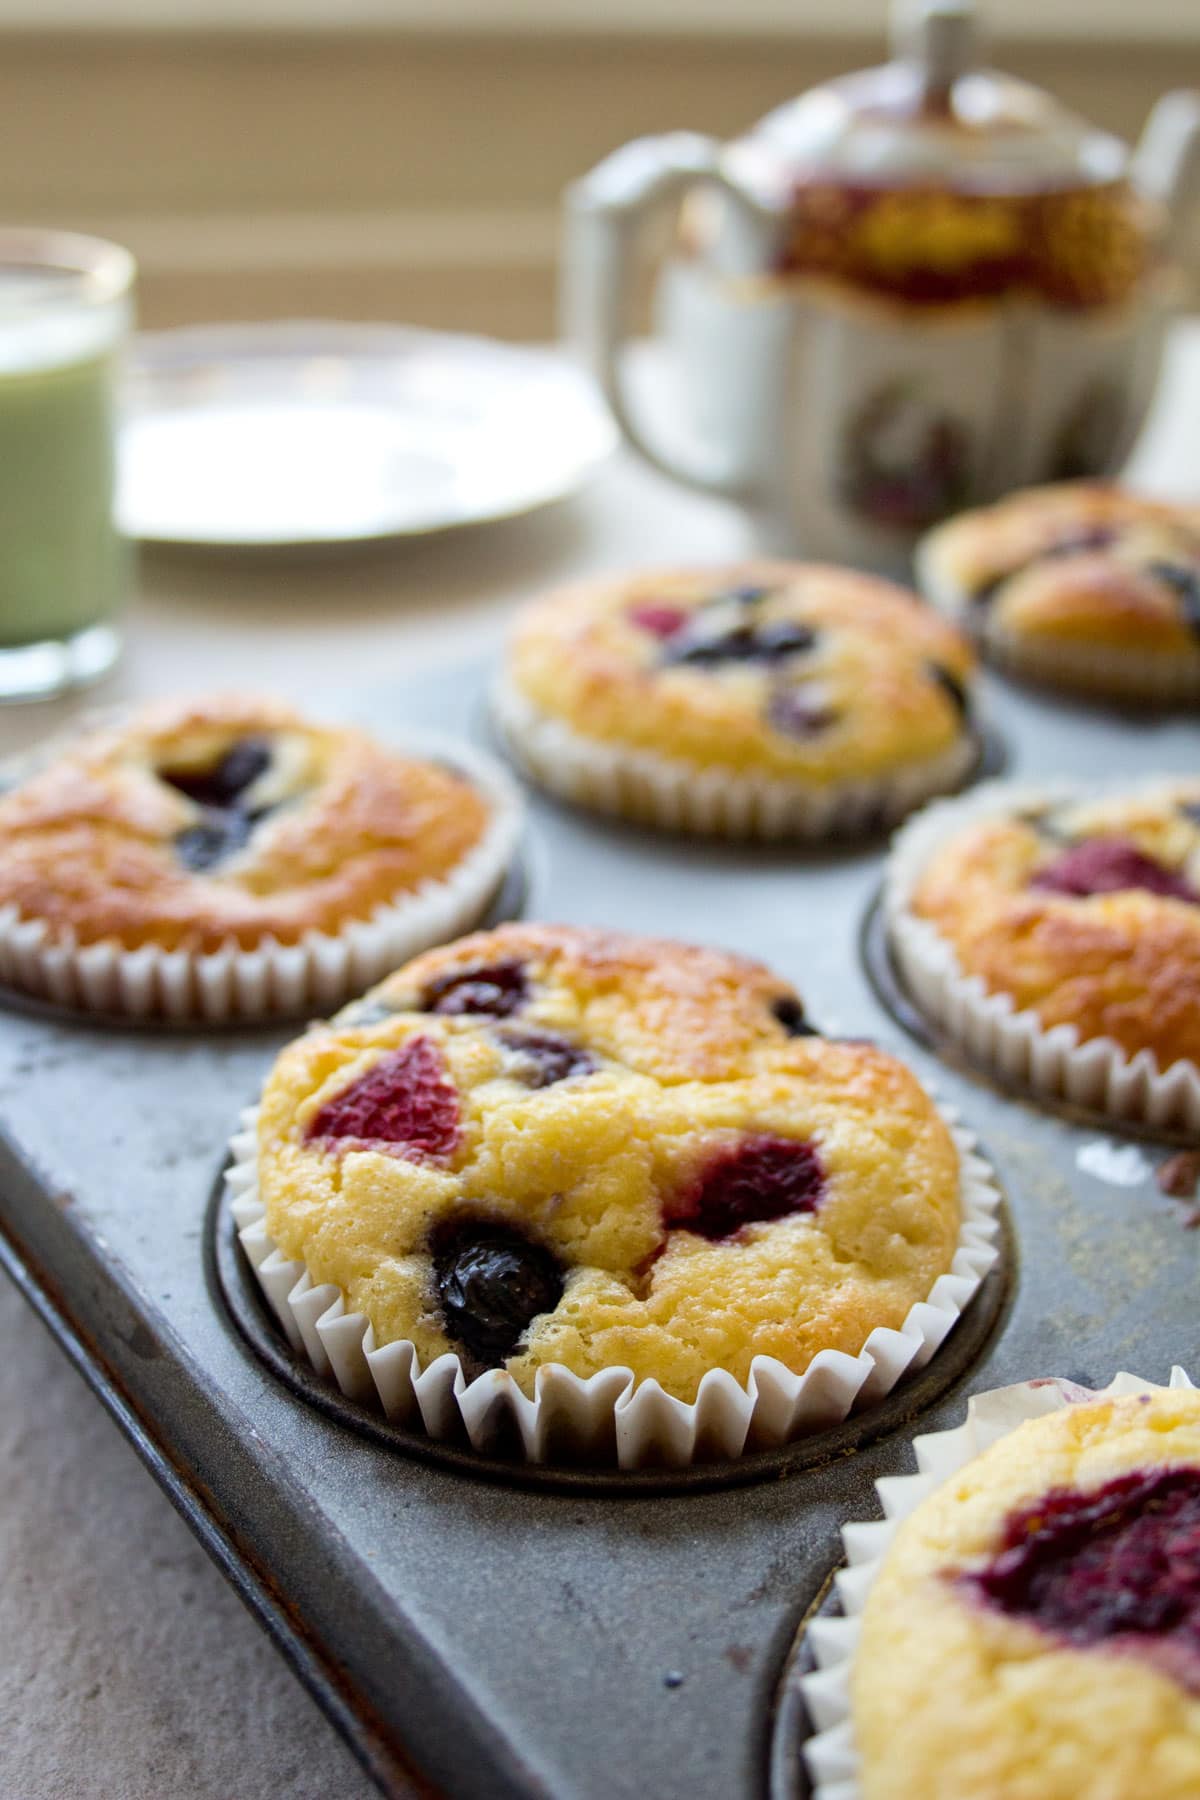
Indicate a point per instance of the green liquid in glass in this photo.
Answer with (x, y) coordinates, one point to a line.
(63, 564)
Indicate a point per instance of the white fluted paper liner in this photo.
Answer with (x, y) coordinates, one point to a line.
(275, 979)
(1167, 676)
(677, 796)
(829, 1753)
(1128, 673)
(1097, 1072)
(607, 1417)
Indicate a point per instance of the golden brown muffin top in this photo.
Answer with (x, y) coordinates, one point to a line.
(1086, 913)
(789, 669)
(640, 1140)
(1033, 1630)
(195, 823)
(1082, 562)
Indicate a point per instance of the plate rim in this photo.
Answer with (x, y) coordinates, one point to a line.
(152, 354)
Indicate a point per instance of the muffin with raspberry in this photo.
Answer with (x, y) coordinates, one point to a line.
(1057, 934)
(1084, 585)
(765, 699)
(1034, 1626)
(545, 1148)
(227, 857)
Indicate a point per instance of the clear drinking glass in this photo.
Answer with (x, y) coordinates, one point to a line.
(66, 307)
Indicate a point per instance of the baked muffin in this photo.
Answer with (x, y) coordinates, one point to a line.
(1082, 584)
(1072, 919)
(1033, 1632)
(765, 699)
(545, 1146)
(225, 855)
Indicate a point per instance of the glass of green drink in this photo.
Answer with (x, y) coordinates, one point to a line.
(66, 306)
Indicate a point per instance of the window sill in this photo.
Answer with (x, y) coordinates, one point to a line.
(1112, 21)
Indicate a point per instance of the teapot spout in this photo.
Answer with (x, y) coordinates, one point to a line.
(1166, 163)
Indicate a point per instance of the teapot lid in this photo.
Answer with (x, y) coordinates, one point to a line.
(933, 115)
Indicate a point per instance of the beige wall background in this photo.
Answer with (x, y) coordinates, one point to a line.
(405, 174)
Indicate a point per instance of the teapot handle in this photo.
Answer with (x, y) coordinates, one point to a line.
(604, 211)
(1166, 163)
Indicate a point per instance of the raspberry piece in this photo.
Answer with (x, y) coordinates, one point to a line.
(1119, 1566)
(1104, 865)
(660, 620)
(761, 1178)
(497, 990)
(403, 1103)
(544, 1057)
(491, 1281)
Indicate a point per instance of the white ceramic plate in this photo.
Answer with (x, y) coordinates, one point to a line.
(289, 434)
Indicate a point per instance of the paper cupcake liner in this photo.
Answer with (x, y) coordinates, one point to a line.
(1105, 672)
(678, 796)
(608, 1417)
(317, 973)
(830, 1754)
(1169, 676)
(1095, 1073)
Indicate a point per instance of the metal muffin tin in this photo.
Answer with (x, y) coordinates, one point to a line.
(482, 1631)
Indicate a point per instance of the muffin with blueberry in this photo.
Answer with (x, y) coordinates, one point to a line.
(545, 1149)
(226, 856)
(1057, 934)
(765, 699)
(1084, 585)
(1034, 1626)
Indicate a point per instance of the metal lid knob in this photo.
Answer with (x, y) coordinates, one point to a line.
(938, 36)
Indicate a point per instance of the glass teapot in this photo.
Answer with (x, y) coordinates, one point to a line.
(910, 290)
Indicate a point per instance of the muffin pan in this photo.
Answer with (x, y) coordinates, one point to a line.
(575, 1636)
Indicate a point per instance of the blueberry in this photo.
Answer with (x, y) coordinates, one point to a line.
(497, 990)
(365, 1012)
(1082, 541)
(950, 685)
(800, 712)
(1045, 822)
(1184, 581)
(491, 1282)
(697, 647)
(1071, 543)
(783, 637)
(225, 825)
(546, 1058)
(742, 596)
(745, 642)
(228, 779)
(220, 834)
(788, 1010)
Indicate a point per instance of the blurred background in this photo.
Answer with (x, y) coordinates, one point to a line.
(404, 159)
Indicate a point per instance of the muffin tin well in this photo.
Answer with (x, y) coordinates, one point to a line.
(234, 1284)
(891, 992)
